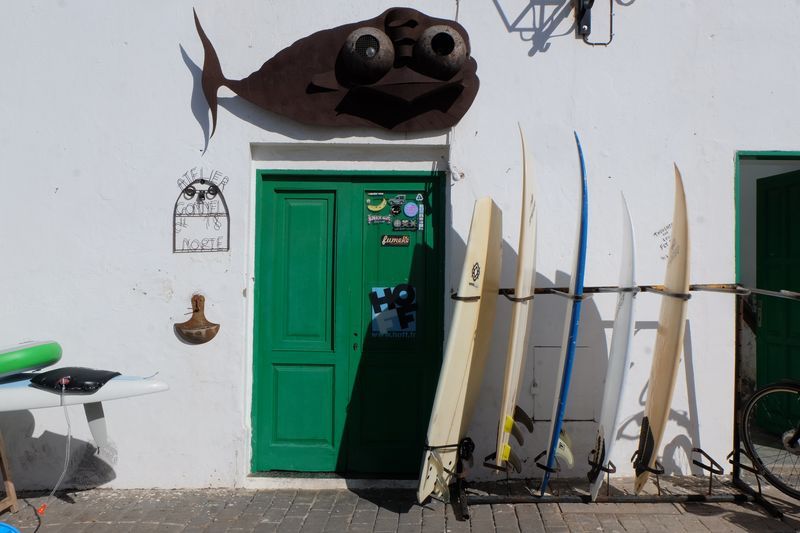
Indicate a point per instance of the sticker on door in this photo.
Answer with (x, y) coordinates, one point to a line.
(394, 311)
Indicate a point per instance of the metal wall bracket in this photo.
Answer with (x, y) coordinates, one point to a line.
(583, 17)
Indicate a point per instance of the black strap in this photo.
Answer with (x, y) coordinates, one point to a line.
(543, 466)
(455, 296)
(508, 292)
(679, 295)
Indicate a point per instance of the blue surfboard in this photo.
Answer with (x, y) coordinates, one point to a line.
(570, 338)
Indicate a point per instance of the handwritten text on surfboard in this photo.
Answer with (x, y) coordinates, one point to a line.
(394, 311)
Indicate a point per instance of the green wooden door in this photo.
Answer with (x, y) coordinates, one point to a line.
(778, 267)
(348, 320)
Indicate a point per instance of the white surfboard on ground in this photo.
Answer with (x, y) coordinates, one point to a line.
(618, 357)
(466, 351)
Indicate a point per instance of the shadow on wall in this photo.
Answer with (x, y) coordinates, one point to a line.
(37, 462)
(676, 454)
(538, 20)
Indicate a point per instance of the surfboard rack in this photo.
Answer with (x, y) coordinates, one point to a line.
(713, 469)
(543, 466)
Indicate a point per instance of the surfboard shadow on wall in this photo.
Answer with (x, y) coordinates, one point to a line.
(36, 462)
(676, 455)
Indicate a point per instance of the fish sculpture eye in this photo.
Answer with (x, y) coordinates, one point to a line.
(366, 56)
(440, 52)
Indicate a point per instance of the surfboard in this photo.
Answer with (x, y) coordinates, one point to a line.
(28, 356)
(519, 333)
(17, 394)
(557, 444)
(618, 357)
(669, 341)
(465, 352)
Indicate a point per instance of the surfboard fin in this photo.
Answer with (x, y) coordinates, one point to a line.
(514, 461)
(564, 451)
(522, 417)
(97, 423)
(513, 428)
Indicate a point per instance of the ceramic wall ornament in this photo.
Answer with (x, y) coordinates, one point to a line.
(402, 70)
(197, 330)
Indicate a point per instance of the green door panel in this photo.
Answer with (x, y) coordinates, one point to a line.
(300, 371)
(401, 317)
(348, 320)
(778, 265)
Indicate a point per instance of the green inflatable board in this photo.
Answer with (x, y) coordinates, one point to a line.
(28, 356)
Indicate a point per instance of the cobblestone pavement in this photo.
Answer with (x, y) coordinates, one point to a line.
(237, 510)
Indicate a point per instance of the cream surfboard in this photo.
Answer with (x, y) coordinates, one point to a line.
(519, 334)
(618, 358)
(466, 351)
(669, 341)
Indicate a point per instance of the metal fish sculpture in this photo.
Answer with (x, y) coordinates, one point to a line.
(402, 70)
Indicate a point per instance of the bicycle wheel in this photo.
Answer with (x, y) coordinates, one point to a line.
(769, 420)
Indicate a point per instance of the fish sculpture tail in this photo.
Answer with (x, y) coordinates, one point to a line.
(212, 78)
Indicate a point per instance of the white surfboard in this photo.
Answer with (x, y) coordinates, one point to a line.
(669, 341)
(519, 334)
(618, 357)
(466, 351)
(17, 394)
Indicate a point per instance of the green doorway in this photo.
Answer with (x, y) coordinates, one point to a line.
(348, 319)
(778, 267)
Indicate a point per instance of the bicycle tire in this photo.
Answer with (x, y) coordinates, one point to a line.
(770, 413)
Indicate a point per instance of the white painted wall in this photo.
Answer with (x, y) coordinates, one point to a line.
(102, 115)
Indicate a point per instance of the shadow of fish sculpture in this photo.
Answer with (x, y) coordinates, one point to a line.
(402, 70)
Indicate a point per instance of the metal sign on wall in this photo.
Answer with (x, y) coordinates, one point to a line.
(402, 70)
(200, 219)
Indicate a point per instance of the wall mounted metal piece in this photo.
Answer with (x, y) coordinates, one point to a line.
(200, 219)
(583, 17)
(402, 70)
(197, 330)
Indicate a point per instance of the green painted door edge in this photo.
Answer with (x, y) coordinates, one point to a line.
(763, 155)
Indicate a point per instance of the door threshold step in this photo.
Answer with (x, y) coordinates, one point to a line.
(322, 481)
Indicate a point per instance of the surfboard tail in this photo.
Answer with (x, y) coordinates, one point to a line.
(212, 77)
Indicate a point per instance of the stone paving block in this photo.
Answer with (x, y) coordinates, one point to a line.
(283, 499)
(337, 523)
(290, 524)
(385, 525)
(305, 496)
(411, 517)
(631, 522)
(265, 527)
(298, 509)
(274, 515)
(412, 528)
(364, 517)
(528, 518)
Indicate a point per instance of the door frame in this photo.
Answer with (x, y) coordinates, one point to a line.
(439, 178)
(741, 393)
